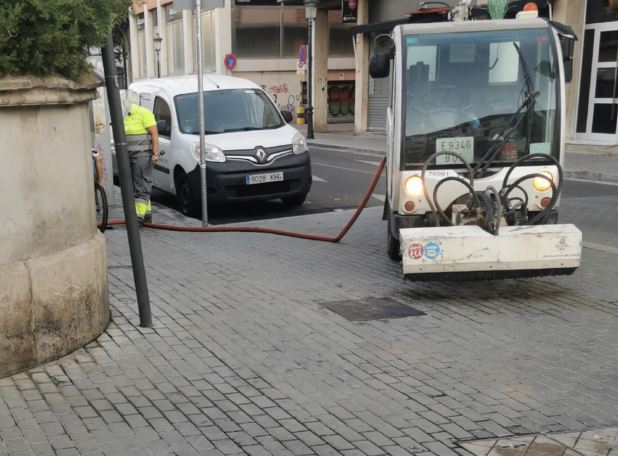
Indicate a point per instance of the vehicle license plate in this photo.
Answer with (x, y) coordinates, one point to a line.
(263, 178)
(463, 145)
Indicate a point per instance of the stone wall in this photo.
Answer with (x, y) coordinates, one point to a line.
(53, 264)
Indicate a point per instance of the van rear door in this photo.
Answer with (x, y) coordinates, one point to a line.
(163, 173)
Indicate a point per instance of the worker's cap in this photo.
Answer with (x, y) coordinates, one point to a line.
(132, 96)
(129, 97)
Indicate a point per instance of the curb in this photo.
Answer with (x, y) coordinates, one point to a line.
(378, 153)
(592, 177)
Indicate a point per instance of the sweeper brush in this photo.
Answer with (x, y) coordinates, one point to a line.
(471, 253)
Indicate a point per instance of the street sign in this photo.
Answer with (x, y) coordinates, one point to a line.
(190, 4)
(302, 55)
(230, 61)
(301, 61)
(349, 11)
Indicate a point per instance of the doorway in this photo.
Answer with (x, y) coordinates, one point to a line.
(597, 115)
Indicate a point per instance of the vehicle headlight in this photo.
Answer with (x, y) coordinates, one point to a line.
(212, 152)
(299, 145)
(414, 186)
(541, 184)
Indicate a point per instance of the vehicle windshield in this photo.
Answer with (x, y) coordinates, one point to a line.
(479, 94)
(227, 111)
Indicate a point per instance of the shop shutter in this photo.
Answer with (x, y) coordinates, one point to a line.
(377, 103)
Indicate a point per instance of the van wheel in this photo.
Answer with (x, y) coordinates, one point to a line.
(393, 245)
(184, 196)
(294, 200)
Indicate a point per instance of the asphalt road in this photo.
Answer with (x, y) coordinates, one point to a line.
(340, 180)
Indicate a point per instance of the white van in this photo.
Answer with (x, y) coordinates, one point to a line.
(252, 153)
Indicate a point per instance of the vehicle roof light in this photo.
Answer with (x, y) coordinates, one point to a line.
(530, 11)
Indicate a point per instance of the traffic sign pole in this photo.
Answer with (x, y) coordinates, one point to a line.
(189, 5)
(200, 95)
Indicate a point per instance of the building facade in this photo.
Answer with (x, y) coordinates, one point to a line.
(592, 95)
(265, 36)
(594, 92)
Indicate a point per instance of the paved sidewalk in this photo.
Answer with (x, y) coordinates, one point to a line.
(582, 162)
(247, 357)
(597, 442)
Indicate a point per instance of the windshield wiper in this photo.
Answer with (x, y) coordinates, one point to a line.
(206, 132)
(250, 128)
(229, 130)
(528, 104)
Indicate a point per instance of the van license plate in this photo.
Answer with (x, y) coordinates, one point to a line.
(263, 178)
(462, 145)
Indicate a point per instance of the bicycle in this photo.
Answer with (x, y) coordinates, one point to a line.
(100, 197)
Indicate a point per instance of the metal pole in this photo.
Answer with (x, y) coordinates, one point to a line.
(200, 95)
(126, 184)
(125, 75)
(281, 32)
(309, 110)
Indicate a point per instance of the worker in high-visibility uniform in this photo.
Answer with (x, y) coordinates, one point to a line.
(140, 127)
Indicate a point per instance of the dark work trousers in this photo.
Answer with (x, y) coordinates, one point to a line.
(141, 170)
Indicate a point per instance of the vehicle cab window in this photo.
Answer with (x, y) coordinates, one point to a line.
(162, 113)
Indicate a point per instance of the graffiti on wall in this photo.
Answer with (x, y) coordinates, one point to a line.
(283, 99)
(278, 88)
(341, 98)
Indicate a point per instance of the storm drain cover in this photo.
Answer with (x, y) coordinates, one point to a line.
(371, 309)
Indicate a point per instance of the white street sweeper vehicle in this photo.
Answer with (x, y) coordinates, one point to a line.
(476, 148)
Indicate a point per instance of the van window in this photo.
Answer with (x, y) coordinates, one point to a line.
(227, 111)
(162, 112)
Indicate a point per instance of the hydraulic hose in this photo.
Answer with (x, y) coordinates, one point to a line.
(554, 198)
(556, 189)
(456, 179)
(257, 229)
(497, 203)
(424, 170)
(529, 157)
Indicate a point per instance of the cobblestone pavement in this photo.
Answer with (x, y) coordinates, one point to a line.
(243, 357)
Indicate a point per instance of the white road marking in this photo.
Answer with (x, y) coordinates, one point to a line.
(379, 197)
(318, 179)
(588, 181)
(341, 167)
(600, 247)
(369, 162)
(348, 151)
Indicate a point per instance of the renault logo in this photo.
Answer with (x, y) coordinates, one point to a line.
(261, 155)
